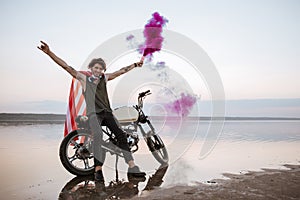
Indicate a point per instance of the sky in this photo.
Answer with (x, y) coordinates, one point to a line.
(254, 44)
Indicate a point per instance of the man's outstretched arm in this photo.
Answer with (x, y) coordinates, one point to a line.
(124, 70)
(45, 48)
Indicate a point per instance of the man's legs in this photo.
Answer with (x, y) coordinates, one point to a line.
(99, 155)
(111, 122)
(121, 137)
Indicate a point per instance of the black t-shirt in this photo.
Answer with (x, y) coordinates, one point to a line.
(96, 97)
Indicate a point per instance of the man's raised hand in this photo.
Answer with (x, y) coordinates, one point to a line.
(140, 64)
(44, 47)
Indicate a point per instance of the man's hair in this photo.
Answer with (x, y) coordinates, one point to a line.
(99, 61)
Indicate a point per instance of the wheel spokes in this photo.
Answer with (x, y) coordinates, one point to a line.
(86, 163)
(76, 145)
(71, 159)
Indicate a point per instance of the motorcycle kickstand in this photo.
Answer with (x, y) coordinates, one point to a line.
(116, 167)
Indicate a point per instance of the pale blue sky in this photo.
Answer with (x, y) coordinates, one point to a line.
(254, 44)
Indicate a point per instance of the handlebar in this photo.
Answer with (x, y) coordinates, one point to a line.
(140, 99)
(142, 94)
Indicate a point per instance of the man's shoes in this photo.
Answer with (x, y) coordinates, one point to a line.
(135, 172)
(99, 176)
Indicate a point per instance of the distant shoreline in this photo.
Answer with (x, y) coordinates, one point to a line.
(32, 118)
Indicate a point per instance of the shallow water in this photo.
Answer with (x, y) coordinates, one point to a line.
(31, 169)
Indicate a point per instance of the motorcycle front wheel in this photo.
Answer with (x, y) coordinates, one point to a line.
(76, 155)
(157, 148)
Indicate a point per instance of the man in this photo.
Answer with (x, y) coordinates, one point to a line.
(98, 108)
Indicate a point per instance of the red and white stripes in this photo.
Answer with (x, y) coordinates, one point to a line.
(76, 105)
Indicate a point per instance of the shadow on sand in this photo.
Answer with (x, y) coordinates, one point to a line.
(84, 187)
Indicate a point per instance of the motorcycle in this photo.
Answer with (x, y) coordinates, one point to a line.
(75, 150)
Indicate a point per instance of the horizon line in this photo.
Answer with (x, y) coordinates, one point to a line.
(174, 116)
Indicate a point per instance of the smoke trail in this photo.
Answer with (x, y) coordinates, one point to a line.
(182, 105)
(153, 42)
(184, 102)
(158, 66)
(132, 42)
(129, 37)
(152, 34)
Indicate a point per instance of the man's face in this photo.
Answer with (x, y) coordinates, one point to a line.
(97, 70)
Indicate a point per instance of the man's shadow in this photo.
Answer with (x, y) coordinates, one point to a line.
(85, 187)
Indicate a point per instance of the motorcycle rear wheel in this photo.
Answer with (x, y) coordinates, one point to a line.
(75, 153)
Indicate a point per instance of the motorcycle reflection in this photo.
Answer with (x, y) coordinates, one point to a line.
(84, 187)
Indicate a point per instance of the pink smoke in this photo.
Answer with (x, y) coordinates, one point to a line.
(181, 106)
(152, 34)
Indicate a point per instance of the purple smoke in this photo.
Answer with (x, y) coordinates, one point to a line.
(158, 66)
(152, 34)
(129, 37)
(181, 106)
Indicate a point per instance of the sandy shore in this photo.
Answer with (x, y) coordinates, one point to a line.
(267, 184)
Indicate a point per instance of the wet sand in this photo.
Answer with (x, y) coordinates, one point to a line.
(247, 146)
(266, 184)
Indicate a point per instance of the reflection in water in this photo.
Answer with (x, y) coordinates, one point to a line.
(84, 187)
(156, 179)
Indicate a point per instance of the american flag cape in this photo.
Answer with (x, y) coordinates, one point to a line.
(76, 105)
